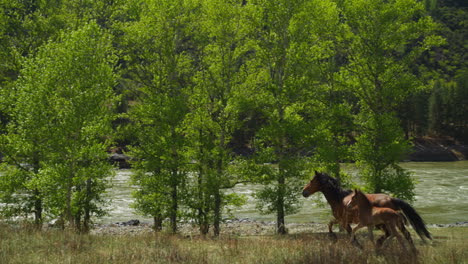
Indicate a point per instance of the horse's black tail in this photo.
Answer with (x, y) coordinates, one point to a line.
(414, 218)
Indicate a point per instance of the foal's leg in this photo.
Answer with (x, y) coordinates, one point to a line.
(393, 233)
(353, 235)
(383, 237)
(345, 223)
(406, 233)
(400, 239)
(348, 228)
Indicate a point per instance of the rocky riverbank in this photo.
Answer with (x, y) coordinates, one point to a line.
(235, 227)
(437, 149)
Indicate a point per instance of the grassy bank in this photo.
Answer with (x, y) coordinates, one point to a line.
(25, 245)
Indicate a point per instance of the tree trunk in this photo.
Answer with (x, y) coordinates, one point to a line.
(37, 209)
(217, 194)
(174, 183)
(87, 207)
(280, 225)
(281, 229)
(217, 213)
(157, 226)
(202, 214)
(174, 206)
(37, 196)
(68, 212)
(204, 226)
(76, 223)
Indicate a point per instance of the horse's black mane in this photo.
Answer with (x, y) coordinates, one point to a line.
(331, 183)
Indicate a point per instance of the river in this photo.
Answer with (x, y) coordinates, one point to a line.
(441, 196)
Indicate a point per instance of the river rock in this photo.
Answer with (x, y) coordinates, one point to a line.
(122, 160)
(134, 222)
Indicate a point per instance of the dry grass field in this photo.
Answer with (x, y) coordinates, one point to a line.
(25, 245)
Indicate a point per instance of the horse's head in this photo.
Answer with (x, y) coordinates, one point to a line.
(354, 198)
(313, 186)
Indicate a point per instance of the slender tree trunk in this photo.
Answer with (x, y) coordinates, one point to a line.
(280, 225)
(204, 225)
(217, 212)
(336, 168)
(68, 212)
(76, 223)
(174, 184)
(157, 223)
(37, 209)
(37, 197)
(281, 228)
(174, 206)
(202, 207)
(87, 207)
(217, 193)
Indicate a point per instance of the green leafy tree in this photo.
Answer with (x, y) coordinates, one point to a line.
(214, 105)
(385, 39)
(293, 37)
(160, 62)
(332, 138)
(58, 135)
(24, 27)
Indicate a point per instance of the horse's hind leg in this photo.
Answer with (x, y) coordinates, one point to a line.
(400, 239)
(406, 233)
(394, 233)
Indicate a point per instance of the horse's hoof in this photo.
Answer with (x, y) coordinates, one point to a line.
(378, 251)
(332, 236)
(356, 244)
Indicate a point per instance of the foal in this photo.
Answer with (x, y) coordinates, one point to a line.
(371, 216)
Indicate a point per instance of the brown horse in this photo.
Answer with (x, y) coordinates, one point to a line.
(370, 216)
(338, 198)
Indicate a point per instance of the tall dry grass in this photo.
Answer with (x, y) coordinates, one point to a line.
(26, 245)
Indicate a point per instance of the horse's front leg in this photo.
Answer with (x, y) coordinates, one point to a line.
(330, 228)
(346, 225)
(353, 235)
(370, 230)
(330, 225)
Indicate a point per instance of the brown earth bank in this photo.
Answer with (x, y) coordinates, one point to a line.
(234, 227)
(437, 149)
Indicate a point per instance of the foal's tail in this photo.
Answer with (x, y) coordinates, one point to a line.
(414, 218)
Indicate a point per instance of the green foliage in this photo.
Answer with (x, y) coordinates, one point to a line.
(215, 101)
(160, 64)
(291, 44)
(386, 37)
(62, 116)
(269, 195)
(379, 148)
